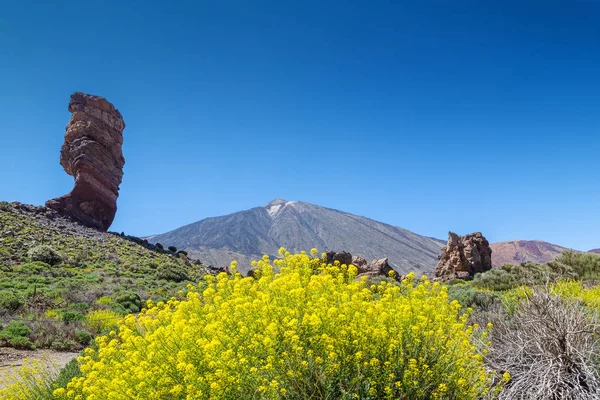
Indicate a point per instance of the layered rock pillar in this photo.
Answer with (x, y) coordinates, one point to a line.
(92, 154)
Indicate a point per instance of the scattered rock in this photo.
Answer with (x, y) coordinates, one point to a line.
(92, 154)
(343, 257)
(360, 263)
(380, 267)
(252, 273)
(464, 256)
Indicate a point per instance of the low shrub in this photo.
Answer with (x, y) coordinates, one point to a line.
(470, 297)
(16, 334)
(549, 347)
(585, 265)
(45, 254)
(302, 330)
(64, 345)
(128, 302)
(20, 342)
(9, 301)
(172, 272)
(511, 276)
(102, 320)
(71, 316)
(83, 337)
(15, 329)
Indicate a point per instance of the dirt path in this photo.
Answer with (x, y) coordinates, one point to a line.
(11, 360)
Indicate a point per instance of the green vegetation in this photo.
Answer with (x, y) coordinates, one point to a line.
(298, 329)
(45, 254)
(68, 287)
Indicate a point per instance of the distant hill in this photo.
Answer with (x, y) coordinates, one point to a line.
(297, 226)
(597, 251)
(518, 251)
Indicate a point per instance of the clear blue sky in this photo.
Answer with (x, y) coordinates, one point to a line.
(434, 115)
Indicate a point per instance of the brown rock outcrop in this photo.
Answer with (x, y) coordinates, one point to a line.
(464, 256)
(380, 267)
(342, 256)
(92, 154)
(360, 263)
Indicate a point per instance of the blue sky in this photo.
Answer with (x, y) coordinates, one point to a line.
(434, 115)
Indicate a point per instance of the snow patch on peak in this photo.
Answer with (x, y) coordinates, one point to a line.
(274, 206)
(273, 209)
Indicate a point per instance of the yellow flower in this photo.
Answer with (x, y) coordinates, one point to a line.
(297, 324)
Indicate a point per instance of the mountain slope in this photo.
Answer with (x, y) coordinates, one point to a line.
(298, 226)
(59, 277)
(518, 251)
(597, 251)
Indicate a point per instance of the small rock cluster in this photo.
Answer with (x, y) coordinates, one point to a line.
(378, 267)
(463, 257)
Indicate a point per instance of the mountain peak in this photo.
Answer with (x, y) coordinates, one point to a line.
(276, 202)
(297, 226)
(274, 206)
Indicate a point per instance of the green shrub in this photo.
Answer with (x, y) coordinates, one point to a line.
(511, 276)
(70, 371)
(20, 342)
(469, 297)
(15, 329)
(83, 337)
(172, 272)
(45, 254)
(585, 265)
(9, 301)
(64, 345)
(128, 302)
(4, 206)
(71, 316)
(34, 267)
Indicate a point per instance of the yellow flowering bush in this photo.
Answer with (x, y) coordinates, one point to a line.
(298, 329)
(577, 290)
(101, 320)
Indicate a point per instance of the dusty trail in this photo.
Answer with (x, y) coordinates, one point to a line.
(11, 360)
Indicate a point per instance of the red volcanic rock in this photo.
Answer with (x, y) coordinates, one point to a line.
(464, 256)
(92, 154)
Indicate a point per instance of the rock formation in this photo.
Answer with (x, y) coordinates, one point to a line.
(343, 257)
(92, 154)
(360, 263)
(464, 256)
(379, 267)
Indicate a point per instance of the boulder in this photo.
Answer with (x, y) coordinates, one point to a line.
(343, 257)
(380, 267)
(92, 154)
(360, 263)
(463, 257)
